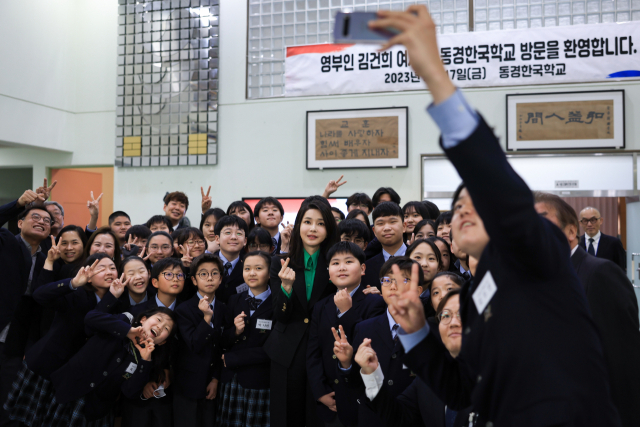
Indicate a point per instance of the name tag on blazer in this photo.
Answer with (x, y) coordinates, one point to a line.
(484, 292)
(131, 368)
(240, 289)
(264, 325)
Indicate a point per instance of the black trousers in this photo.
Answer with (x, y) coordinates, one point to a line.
(9, 367)
(193, 412)
(149, 413)
(292, 403)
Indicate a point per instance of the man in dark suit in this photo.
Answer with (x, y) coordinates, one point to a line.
(530, 354)
(614, 308)
(597, 243)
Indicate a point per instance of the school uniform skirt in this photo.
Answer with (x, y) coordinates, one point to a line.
(32, 402)
(242, 407)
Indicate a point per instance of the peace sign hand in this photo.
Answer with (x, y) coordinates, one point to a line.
(186, 259)
(54, 252)
(206, 200)
(141, 254)
(341, 348)
(148, 348)
(94, 206)
(45, 191)
(411, 239)
(332, 187)
(132, 241)
(366, 357)
(118, 285)
(84, 274)
(287, 275)
(407, 308)
(30, 196)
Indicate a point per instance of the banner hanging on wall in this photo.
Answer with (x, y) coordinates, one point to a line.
(571, 54)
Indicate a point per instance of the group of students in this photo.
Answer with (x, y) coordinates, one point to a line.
(332, 320)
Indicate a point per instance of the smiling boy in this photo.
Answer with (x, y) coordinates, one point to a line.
(231, 234)
(269, 213)
(175, 208)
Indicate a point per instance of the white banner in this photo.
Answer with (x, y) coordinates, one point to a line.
(579, 53)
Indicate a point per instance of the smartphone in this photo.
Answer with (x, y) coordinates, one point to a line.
(354, 28)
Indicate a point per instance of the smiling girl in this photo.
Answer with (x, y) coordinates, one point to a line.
(104, 241)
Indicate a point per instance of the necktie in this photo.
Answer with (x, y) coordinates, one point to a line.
(450, 417)
(590, 250)
(254, 303)
(466, 275)
(275, 246)
(227, 268)
(394, 332)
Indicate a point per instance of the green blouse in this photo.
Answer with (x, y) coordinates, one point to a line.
(310, 265)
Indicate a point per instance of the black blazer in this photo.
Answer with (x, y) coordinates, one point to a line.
(67, 333)
(199, 350)
(390, 357)
(374, 247)
(538, 313)
(98, 371)
(322, 368)
(244, 355)
(228, 285)
(292, 315)
(614, 308)
(609, 247)
(372, 272)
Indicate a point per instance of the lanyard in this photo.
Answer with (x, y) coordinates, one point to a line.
(133, 349)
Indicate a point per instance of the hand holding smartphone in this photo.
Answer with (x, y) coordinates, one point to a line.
(354, 28)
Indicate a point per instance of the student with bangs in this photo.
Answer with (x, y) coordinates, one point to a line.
(175, 208)
(413, 212)
(136, 275)
(244, 211)
(159, 246)
(260, 240)
(443, 225)
(136, 239)
(231, 234)
(425, 229)
(385, 194)
(445, 252)
(269, 213)
(360, 215)
(427, 254)
(432, 208)
(191, 244)
(355, 231)
(297, 283)
(359, 201)
(159, 223)
(337, 214)
(104, 240)
(119, 222)
(208, 224)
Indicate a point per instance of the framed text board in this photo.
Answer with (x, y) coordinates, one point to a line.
(363, 138)
(569, 120)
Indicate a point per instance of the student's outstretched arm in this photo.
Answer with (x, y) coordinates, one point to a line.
(117, 325)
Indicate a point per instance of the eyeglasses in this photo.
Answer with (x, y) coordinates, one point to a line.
(162, 248)
(204, 275)
(195, 242)
(446, 317)
(37, 218)
(387, 281)
(357, 241)
(169, 275)
(360, 206)
(259, 246)
(586, 221)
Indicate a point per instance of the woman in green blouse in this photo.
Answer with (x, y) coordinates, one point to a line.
(298, 280)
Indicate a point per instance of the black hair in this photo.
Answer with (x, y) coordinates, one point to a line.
(230, 221)
(177, 196)
(354, 226)
(346, 248)
(140, 231)
(88, 262)
(444, 218)
(387, 209)
(405, 264)
(263, 236)
(431, 244)
(432, 208)
(115, 215)
(440, 239)
(241, 204)
(385, 190)
(164, 264)
(159, 233)
(78, 230)
(445, 299)
(455, 278)
(117, 256)
(203, 259)
(338, 211)
(417, 207)
(266, 257)
(456, 194)
(354, 213)
(160, 218)
(187, 233)
(129, 259)
(268, 201)
(24, 213)
(217, 213)
(296, 248)
(360, 199)
(424, 222)
(161, 353)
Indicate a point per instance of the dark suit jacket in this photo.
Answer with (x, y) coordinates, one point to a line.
(614, 308)
(67, 334)
(372, 272)
(229, 284)
(322, 368)
(244, 355)
(390, 357)
(374, 247)
(527, 354)
(97, 371)
(292, 315)
(199, 348)
(610, 248)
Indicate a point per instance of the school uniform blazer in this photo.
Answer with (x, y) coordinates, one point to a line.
(98, 370)
(293, 314)
(374, 247)
(15, 264)
(390, 357)
(66, 335)
(533, 353)
(199, 349)
(244, 354)
(322, 368)
(609, 247)
(372, 272)
(614, 308)
(228, 285)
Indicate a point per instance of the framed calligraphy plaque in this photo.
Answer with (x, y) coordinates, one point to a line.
(569, 120)
(366, 138)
